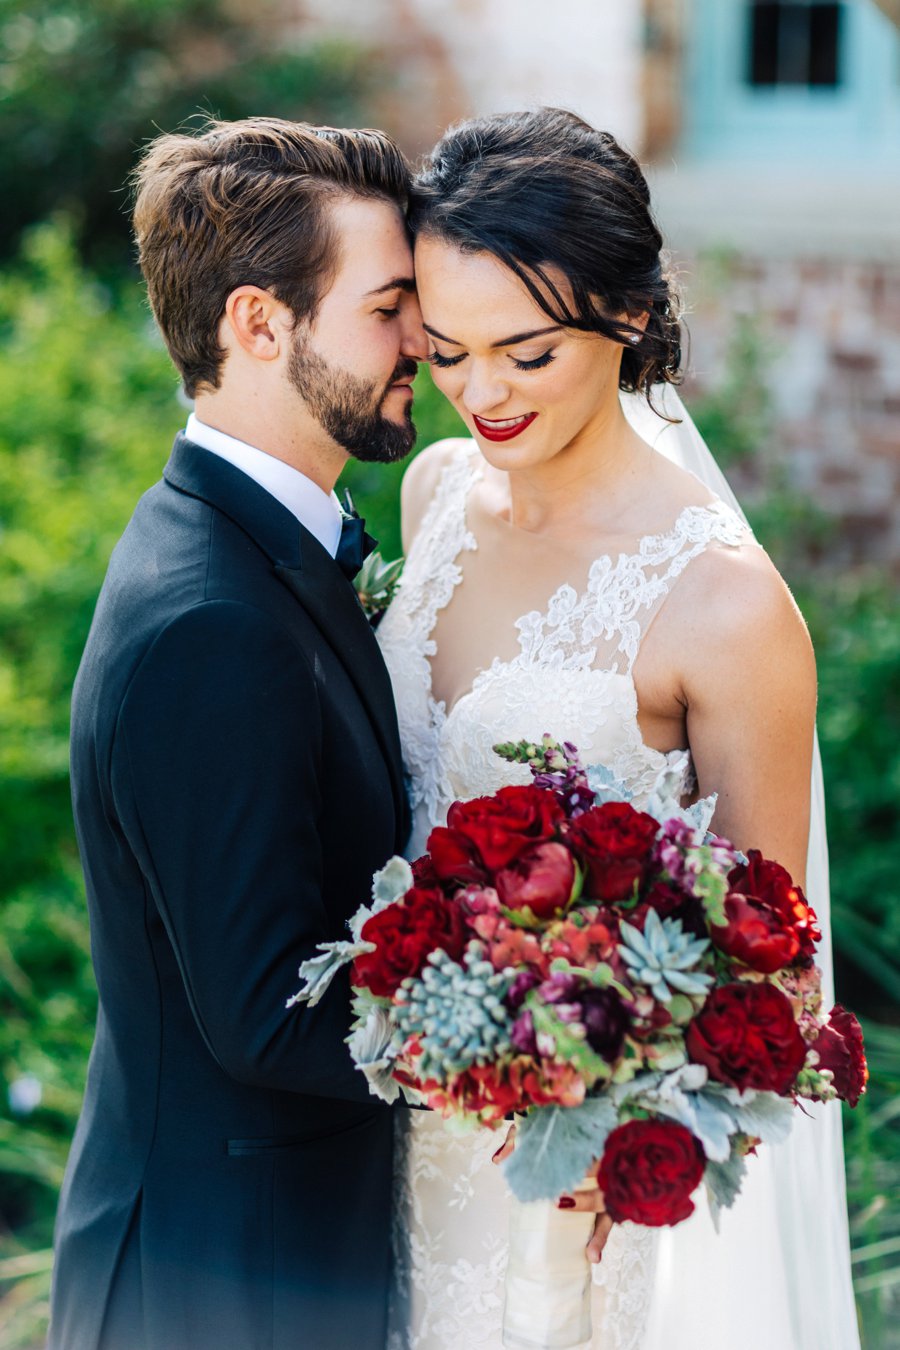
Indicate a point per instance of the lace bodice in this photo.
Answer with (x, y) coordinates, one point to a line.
(572, 673)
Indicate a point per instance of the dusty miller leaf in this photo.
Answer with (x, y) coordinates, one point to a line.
(723, 1183)
(319, 971)
(370, 1046)
(555, 1146)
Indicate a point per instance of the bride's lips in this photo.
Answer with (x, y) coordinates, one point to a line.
(505, 428)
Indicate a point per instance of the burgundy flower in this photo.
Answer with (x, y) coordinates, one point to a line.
(485, 835)
(648, 1172)
(769, 924)
(601, 1012)
(606, 1021)
(671, 903)
(615, 843)
(839, 1046)
(747, 1036)
(404, 934)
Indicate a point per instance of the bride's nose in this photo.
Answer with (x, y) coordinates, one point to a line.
(484, 392)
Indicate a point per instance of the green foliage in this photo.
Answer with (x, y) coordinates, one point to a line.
(83, 83)
(735, 415)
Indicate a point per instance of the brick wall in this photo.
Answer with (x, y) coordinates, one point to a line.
(830, 333)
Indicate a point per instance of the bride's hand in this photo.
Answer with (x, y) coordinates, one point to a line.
(584, 1200)
(588, 1198)
(507, 1147)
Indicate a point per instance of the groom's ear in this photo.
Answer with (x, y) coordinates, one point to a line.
(256, 322)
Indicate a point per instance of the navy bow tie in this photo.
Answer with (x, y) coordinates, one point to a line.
(354, 545)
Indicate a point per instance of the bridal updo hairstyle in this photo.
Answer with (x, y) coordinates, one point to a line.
(544, 189)
(246, 203)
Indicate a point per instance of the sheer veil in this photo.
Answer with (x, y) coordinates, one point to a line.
(778, 1275)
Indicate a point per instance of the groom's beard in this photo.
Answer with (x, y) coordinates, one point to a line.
(350, 408)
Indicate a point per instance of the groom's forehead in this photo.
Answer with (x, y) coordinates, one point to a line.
(374, 251)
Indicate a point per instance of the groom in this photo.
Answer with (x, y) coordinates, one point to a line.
(236, 768)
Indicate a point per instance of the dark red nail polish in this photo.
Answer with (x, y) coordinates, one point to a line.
(565, 1202)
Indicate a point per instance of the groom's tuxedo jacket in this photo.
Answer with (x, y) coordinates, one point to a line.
(236, 781)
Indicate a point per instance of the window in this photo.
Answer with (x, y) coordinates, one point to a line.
(794, 43)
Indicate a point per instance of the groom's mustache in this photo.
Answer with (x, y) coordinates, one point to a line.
(406, 368)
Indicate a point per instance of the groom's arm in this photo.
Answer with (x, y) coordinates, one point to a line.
(217, 784)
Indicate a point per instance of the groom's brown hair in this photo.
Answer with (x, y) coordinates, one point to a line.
(246, 203)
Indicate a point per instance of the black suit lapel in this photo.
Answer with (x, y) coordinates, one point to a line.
(330, 601)
(312, 575)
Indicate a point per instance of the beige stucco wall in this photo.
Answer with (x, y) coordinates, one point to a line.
(480, 56)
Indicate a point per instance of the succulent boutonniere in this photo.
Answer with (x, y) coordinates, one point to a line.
(376, 584)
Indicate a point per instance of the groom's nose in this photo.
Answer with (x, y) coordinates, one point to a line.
(413, 341)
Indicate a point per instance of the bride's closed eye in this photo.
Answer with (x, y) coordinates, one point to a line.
(443, 362)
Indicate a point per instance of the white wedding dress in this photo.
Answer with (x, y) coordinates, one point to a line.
(572, 677)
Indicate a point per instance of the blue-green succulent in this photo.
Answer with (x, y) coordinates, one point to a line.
(456, 1010)
(663, 957)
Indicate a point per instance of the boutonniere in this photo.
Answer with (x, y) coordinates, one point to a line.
(376, 584)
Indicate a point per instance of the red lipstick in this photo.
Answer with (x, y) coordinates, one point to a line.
(504, 428)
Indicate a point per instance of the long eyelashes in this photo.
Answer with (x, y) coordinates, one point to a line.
(443, 362)
(536, 364)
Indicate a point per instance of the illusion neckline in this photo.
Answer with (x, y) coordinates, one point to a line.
(438, 706)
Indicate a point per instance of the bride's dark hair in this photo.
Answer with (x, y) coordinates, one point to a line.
(544, 189)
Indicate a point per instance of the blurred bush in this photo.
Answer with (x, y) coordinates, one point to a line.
(84, 83)
(88, 409)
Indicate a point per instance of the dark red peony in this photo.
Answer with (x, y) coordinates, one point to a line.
(487, 834)
(540, 880)
(747, 1037)
(840, 1048)
(671, 903)
(615, 843)
(404, 934)
(770, 925)
(649, 1171)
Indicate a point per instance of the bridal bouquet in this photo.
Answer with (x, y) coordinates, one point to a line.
(642, 993)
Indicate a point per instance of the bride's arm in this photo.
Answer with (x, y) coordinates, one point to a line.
(749, 685)
(419, 484)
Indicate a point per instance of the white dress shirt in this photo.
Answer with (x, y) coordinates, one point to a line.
(318, 511)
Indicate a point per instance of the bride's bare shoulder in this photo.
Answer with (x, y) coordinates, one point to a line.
(420, 482)
(737, 610)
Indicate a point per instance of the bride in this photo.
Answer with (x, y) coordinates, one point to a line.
(567, 573)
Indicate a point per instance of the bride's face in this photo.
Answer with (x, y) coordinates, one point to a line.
(526, 388)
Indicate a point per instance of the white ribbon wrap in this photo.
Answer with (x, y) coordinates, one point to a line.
(548, 1279)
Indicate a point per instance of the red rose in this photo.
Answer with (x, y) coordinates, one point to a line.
(489, 833)
(746, 1036)
(404, 934)
(649, 1171)
(615, 843)
(769, 923)
(540, 880)
(840, 1048)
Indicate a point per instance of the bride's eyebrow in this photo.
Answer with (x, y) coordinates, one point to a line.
(504, 342)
